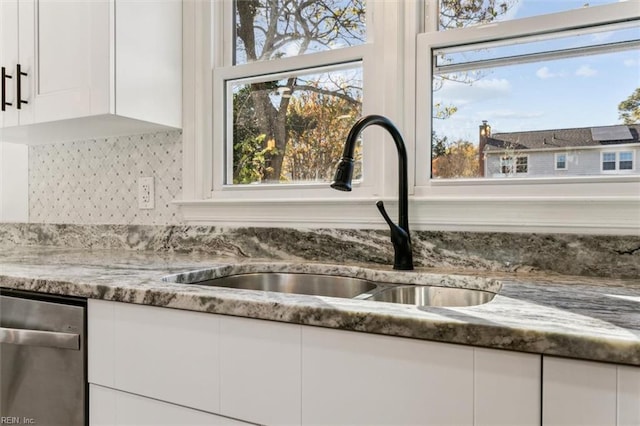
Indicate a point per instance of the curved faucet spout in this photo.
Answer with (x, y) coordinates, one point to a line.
(342, 181)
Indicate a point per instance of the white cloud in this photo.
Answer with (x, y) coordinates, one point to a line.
(513, 115)
(545, 73)
(459, 94)
(630, 62)
(501, 85)
(586, 71)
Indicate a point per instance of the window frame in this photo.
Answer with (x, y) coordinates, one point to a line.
(571, 204)
(566, 161)
(633, 160)
(224, 70)
(513, 159)
(616, 153)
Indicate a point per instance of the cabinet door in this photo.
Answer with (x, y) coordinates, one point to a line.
(506, 388)
(167, 354)
(9, 58)
(64, 50)
(578, 393)
(628, 396)
(109, 407)
(260, 371)
(365, 379)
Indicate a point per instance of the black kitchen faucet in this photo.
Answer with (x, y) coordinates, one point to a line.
(342, 181)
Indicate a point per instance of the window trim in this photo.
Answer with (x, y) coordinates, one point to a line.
(434, 40)
(224, 71)
(512, 158)
(576, 205)
(566, 161)
(616, 153)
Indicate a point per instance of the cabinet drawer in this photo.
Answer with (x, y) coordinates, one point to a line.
(161, 353)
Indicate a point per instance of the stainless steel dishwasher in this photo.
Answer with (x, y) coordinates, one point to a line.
(43, 378)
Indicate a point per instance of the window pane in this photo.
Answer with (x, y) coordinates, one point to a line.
(293, 129)
(522, 165)
(574, 103)
(459, 14)
(272, 29)
(611, 36)
(609, 161)
(561, 161)
(626, 161)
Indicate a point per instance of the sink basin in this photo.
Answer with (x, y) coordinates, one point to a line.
(310, 284)
(432, 296)
(433, 289)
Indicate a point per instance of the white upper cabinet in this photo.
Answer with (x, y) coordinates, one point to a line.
(90, 68)
(8, 59)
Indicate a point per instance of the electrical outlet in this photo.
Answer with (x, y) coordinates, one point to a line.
(146, 193)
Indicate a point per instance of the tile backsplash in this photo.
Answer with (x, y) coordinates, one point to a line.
(96, 181)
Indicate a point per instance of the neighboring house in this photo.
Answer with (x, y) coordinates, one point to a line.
(586, 151)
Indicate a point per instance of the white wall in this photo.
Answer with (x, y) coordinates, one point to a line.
(14, 183)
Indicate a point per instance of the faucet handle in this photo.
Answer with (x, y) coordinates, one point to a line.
(383, 212)
(401, 242)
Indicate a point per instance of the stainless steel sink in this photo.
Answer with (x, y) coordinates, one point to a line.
(432, 296)
(310, 284)
(345, 287)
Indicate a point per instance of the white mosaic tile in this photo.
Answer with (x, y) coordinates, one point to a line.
(96, 181)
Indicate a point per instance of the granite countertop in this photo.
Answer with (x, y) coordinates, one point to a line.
(579, 317)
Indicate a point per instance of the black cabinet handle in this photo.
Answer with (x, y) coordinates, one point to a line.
(4, 102)
(19, 88)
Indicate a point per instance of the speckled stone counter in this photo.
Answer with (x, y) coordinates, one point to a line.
(587, 318)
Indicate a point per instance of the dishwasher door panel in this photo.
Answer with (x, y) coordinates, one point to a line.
(42, 362)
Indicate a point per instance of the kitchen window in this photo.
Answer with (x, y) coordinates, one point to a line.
(536, 92)
(289, 83)
(446, 80)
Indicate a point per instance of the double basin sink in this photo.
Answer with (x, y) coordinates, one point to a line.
(347, 287)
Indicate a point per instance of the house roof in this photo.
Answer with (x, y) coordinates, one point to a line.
(565, 138)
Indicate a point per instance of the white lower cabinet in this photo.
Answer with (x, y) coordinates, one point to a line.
(590, 393)
(507, 387)
(109, 407)
(167, 354)
(364, 379)
(628, 396)
(160, 366)
(260, 371)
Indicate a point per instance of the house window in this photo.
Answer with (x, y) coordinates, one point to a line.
(510, 165)
(617, 161)
(509, 90)
(292, 87)
(522, 164)
(626, 160)
(420, 64)
(608, 161)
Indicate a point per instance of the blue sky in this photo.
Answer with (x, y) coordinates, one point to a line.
(574, 92)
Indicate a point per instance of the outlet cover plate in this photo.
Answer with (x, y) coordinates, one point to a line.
(146, 193)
